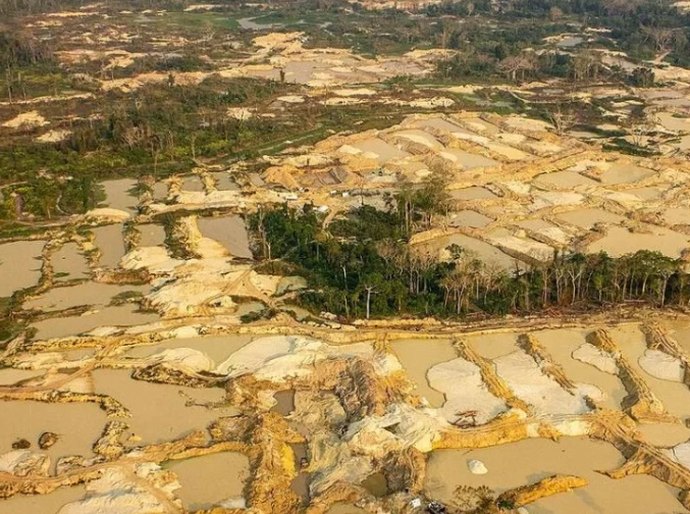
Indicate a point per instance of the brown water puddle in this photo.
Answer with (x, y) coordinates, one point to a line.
(159, 411)
(344, 508)
(674, 395)
(10, 376)
(108, 239)
(619, 241)
(230, 231)
(680, 331)
(470, 161)
(469, 218)
(492, 346)
(376, 484)
(211, 480)
(515, 464)
(86, 293)
(285, 402)
(560, 344)
(664, 434)
(20, 265)
(192, 183)
(224, 181)
(417, 356)
(622, 173)
(218, 348)
(160, 191)
(472, 193)
(300, 484)
(587, 218)
(151, 234)
(677, 216)
(120, 316)
(647, 193)
(69, 264)
(78, 426)
(117, 194)
(380, 150)
(42, 503)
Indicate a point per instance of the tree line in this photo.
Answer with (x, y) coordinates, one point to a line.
(363, 266)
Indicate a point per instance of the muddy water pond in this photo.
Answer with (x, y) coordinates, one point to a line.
(674, 395)
(345, 508)
(480, 249)
(677, 216)
(10, 376)
(619, 241)
(160, 191)
(494, 345)
(192, 183)
(218, 348)
(560, 344)
(469, 218)
(20, 265)
(78, 426)
(467, 160)
(120, 316)
(69, 263)
(151, 234)
(285, 402)
(230, 231)
(108, 239)
(472, 193)
(380, 150)
(680, 331)
(160, 412)
(86, 293)
(211, 480)
(637, 494)
(118, 194)
(376, 484)
(300, 484)
(524, 462)
(224, 181)
(664, 434)
(587, 218)
(42, 503)
(417, 357)
(621, 173)
(564, 180)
